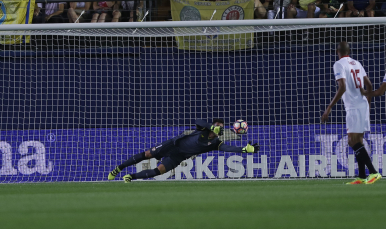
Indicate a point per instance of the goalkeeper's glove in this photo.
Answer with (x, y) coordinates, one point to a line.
(219, 130)
(251, 148)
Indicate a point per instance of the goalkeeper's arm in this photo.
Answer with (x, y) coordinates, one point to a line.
(247, 149)
(202, 125)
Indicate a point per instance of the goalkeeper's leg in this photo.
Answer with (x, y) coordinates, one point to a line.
(135, 159)
(168, 163)
(131, 161)
(157, 152)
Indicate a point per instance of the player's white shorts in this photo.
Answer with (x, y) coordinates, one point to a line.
(358, 120)
(300, 13)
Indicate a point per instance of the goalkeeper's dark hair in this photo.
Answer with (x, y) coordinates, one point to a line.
(217, 120)
(344, 48)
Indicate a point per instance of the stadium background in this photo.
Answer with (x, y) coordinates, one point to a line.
(71, 112)
(91, 108)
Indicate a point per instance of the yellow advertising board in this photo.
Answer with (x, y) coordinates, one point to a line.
(217, 38)
(15, 12)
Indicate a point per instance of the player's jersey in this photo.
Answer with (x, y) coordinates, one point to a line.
(384, 79)
(353, 72)
(198, 142)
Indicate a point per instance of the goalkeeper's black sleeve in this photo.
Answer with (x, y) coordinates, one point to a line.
(228, 148)
(202, 125)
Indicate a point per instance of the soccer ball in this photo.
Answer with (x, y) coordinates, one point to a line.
(240, 127)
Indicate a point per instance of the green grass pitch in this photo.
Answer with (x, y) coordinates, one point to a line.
(212, 204)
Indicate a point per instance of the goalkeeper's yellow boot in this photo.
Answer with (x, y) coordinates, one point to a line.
(373, 177)
(357, 181)
(114, 173)
(127, 178)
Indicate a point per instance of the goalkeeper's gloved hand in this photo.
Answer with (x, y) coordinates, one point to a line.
(251, 148)
(219, 130)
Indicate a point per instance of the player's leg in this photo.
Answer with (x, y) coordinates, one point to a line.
(144, 174)
(358, 122)
(168, 163)
(95, 18)
(136, 159)
(354, 141)
(157, 152)
(71, 14)
(131, 161)
(363, 159)
(102, 17)
(116, 16)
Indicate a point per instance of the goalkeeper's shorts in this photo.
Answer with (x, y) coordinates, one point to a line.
(358, 120)
(172, 161)
(171, 157)
(164, 149)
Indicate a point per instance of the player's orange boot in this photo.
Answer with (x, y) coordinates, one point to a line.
(357, 181)
(373, 177)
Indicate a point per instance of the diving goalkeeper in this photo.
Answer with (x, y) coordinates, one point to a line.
(181, 147)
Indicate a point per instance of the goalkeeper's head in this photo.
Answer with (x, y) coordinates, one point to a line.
(218, 122)
(343, 49)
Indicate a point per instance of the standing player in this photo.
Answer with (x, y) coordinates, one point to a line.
(351, 76)
(177, 149)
